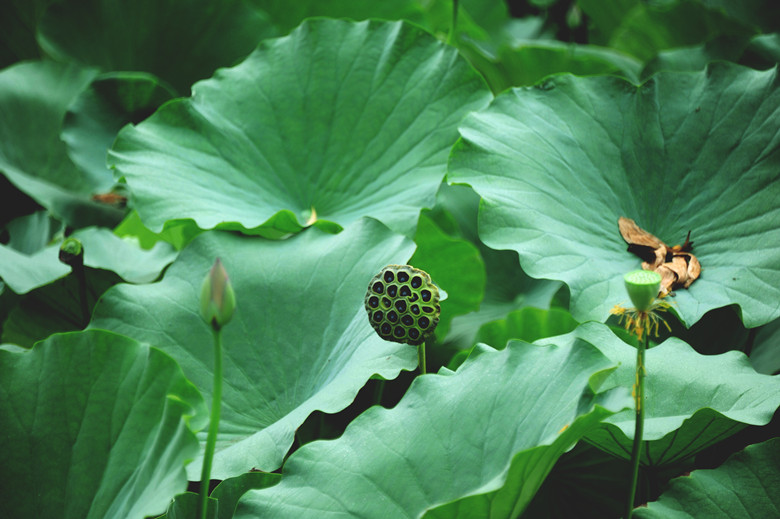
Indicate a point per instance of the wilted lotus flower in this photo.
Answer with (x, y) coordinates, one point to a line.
(217, 299)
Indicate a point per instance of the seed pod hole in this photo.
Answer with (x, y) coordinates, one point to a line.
(392, 290)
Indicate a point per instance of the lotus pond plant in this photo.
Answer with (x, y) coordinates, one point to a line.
(395, 188)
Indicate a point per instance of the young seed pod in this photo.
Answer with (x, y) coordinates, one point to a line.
(642, 287)
(403, 304)
(217, 299)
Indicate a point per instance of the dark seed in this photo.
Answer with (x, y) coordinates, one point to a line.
(392, 316)
(414, 298)
(416, 282)
(407, 320)
(414, 334)
(399, 331)
(425, 294)
(423, 322)
(386, 329)
(373, 301)
(400, 305)
(427, 309)
(392, 290)
(378, 287)
(403, 277)
(378, 315)
(415, 309)
(386, 302)
(389, 276)
(405, 291)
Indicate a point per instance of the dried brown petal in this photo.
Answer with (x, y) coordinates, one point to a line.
(641, 242)
(680, 267)
(668, 278)
(693, 268)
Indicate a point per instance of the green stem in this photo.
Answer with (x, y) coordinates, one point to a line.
(639, 405)
(379, 389)
(454, 24)
(81, 277)
(421, 356)
(211, 438)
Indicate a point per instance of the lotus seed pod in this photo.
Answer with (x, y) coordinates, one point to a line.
(217, 299)
(403, 304)
(642, 287)
(72, 252)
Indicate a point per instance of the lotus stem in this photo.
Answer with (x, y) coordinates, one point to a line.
(639, 423)
(211, 438)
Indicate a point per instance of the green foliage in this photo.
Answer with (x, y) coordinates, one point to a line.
(310, 144)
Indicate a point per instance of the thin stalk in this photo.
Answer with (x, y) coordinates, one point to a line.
(81, 278)
(379, 390)
(421, 356)
(639, 406)
(211, 438)
(454, 24)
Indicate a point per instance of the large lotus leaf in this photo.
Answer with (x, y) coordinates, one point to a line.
(300, 339)
(765, 355)
(645, 28)
(519, 63)
(105, 250)
(693, 400)
(558, 164)
(746, 485)
(477, 442)
(180, 41)
(25, 272)
(336, 121)
(507, 287)
(454, 265)
(102, 109)
(94, 425)
(33, 99)
(287, 15)
(56, 307)
(223, 499)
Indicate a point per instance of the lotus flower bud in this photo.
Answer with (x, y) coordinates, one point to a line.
(217, 299)
(642, 287)
(403, 304)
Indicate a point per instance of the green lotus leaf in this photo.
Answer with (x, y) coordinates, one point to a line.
(98, 113)
(108, 419)
(180, 41)
(645, 28)
(33, 99)
(299, 340)
(25, 272)
(507, 287)
(528, 324)
(477, 442)
(558, 164)
(454, 265)
(765, 356)
(744, 486)
(693, 400)
(519, 63)
(360, 126)
(288, 15)
(55, 308)
(223, 499)
(105, 250)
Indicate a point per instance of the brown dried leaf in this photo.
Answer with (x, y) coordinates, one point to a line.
(693, 267)
(641, 242)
